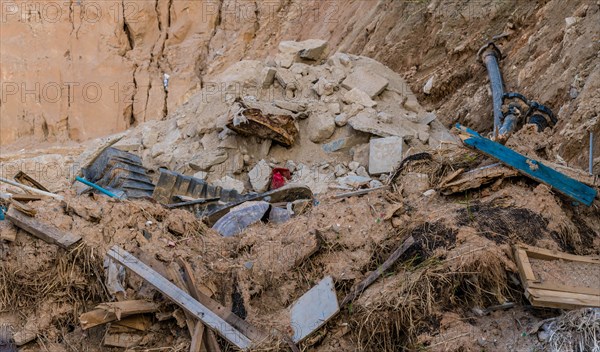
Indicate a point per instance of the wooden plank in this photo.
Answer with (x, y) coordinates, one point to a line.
(477, 178)
(180, 298)
(108, 312)
(377, 273)
(562, 288)
(524, 266)
(546, 254)
(199, 292)
(530, 167)
(23, 208)
(563, 300)
(27, 197)
(240, 324)
(174, 276)
(41, 230)
(211, 343)
(30, 181)
(135, 322)
(197, 338)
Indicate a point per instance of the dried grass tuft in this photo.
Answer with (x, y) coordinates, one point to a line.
(72, 277)
(409, 304)
(576, 331)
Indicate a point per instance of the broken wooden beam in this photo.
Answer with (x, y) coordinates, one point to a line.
(475, 178)
(377, 273)
(25, 179)
(27, 197)
(45, 232)
(182, 299)
(529, 167)
(240, 324)
(31, 189)
(111, 311)
(359, 192)
(202, 338)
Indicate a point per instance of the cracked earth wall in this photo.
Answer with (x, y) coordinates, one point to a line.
(79, 69)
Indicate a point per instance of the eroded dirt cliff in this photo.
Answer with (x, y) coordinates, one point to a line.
(91, 68)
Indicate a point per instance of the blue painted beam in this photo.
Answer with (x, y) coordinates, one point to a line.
(530, 167)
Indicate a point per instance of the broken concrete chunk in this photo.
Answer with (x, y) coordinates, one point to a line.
(267, 77)
(321, 126)
(286, 60)
(313, 309)
(367, 81)
(354, 181)
(384, 154)
(228, 182)
(357, 96)
(260, 176)
(367, 121)
(293, 106)
(285, 78)
(341, 120)
(426, 118)
(313, 49)
(205, 160)
(428, 86)
(440, 136)
(340, 170)
(324, 87)
(362, 172)
(334, 108)
(340, 59)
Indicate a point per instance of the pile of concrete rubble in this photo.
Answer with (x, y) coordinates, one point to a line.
(335, 122)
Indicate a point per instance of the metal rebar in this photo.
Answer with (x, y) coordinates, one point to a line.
(490, 55)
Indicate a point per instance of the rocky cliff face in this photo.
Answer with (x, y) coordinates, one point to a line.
(81, 69)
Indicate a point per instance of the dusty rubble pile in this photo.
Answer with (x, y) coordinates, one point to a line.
(336, 121)
(438, 240)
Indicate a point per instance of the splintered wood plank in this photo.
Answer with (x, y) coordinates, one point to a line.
(24, 208)
(41, 230)
(135, 322)
(173, 275)
(377, 273)
(563, 300)
(530, 167)
(108, 312)
(197, 337)
(476, 178)
(205, 340)
(240, 324)
(30, 181)
(179, 297)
